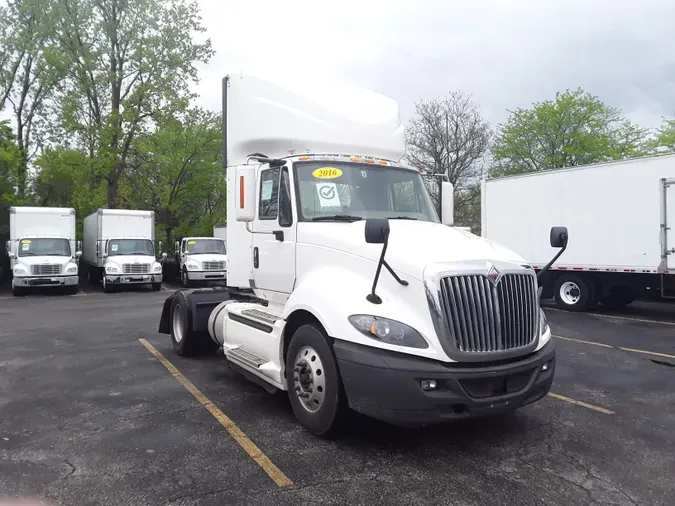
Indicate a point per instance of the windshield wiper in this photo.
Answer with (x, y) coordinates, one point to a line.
(338, 217)
(400, 218)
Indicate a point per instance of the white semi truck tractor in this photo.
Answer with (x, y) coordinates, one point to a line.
(119, 248)
(42, 248)
(344, 287)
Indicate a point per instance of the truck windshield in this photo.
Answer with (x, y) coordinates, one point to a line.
(130, 247)
(197, 246)
(44, 247)
(360, 191)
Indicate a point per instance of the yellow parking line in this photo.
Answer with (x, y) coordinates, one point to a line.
(632, 350)
(580, 403)
(642, 320)
(249, 446)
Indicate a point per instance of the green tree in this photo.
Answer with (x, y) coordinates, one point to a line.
(10, 160)
(126, 62)
(27, 80)
(574, 129)
(665, 135)
(176, 171)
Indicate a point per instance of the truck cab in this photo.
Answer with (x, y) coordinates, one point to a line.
(345, 288)
(42, 249)
(130, 260)
(201, 260)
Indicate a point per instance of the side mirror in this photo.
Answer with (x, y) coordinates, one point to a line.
(163, 256)
(176, 247)
(8, 248)
(160, 246)
(78, 254)
(559, 237)
(79, 246)
(447, 203)
(377, 230)
(244, 198)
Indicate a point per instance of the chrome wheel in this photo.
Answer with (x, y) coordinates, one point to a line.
(570, 293)
(177, 323)
(309, 379)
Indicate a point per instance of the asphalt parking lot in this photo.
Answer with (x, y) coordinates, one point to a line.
(90, 415)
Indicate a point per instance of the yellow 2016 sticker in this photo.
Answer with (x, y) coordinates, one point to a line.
(25, 241)
(327, 173)
(191, 242)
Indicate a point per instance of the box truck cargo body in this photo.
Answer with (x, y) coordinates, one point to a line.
(623, 217)
(119, 248)
(42, 248)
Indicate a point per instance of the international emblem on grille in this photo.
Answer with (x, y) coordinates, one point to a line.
(494, 275)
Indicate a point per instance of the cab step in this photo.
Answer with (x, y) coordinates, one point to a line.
(262, 316)
(244, 357)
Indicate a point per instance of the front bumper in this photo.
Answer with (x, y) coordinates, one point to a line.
(386, 385)
(131, 279)
(206, 275)
(36, 281)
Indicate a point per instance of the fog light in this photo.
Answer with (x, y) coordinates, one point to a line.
(545, 366)
(429, 384)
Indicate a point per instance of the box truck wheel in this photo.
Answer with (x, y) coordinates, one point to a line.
(314, 384)
(185, 341)
(157, 286)
(574, 293)
(618, 297)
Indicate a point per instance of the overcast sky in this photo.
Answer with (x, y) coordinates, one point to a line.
(508, 53)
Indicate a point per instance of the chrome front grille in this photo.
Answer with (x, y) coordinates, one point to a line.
(484, 317)
(136, 268)
(214, 266)
(46, 270)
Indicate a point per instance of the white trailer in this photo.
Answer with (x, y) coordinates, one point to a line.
(42, 248)
(201, 260)
(119, 248)
(623, 217)
(318, 204)
(220, 231)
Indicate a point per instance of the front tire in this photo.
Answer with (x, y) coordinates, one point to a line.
(573, 293)
(314, 385)
(184, 278)
(106, 286)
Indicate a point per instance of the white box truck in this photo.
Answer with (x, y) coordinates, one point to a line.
(623, 217)
(201, 260)
(319, 207)
(119, 248)
(42, 248)
(220, 231)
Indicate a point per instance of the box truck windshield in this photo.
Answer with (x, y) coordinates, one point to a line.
(130, 247)
(359, 191)
(206, 246)
(44, 247)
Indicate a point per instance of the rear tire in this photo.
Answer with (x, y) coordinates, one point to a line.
(185, 341)
(574, 293)
(618, 297)
(315, 388)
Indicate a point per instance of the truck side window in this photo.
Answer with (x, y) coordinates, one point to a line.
(285, 206)
(269, 194)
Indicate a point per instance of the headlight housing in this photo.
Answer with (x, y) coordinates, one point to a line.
(72, 269)
(157, 268)
(543, 322)
(388, 331)
(111, 268)
(20, 269)
(193, 266)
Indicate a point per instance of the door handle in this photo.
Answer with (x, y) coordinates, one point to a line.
(255, 257)
(279, 235)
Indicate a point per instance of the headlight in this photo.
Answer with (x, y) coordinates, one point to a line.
(20, 269)
(388, 331)
(543, 323)
(72, 269)
(192, 266)
(157, 268)
(111, 268)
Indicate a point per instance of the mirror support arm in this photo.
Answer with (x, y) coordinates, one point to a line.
(545, 269)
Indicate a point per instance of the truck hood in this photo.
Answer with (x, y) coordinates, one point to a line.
(412, 244)
(207, 257)
(130, 259)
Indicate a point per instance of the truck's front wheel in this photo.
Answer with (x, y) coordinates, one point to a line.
(314, 384)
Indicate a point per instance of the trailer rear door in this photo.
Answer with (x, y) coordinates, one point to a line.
(669, 222)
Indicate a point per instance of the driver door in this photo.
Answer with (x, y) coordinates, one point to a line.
(275, 232)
